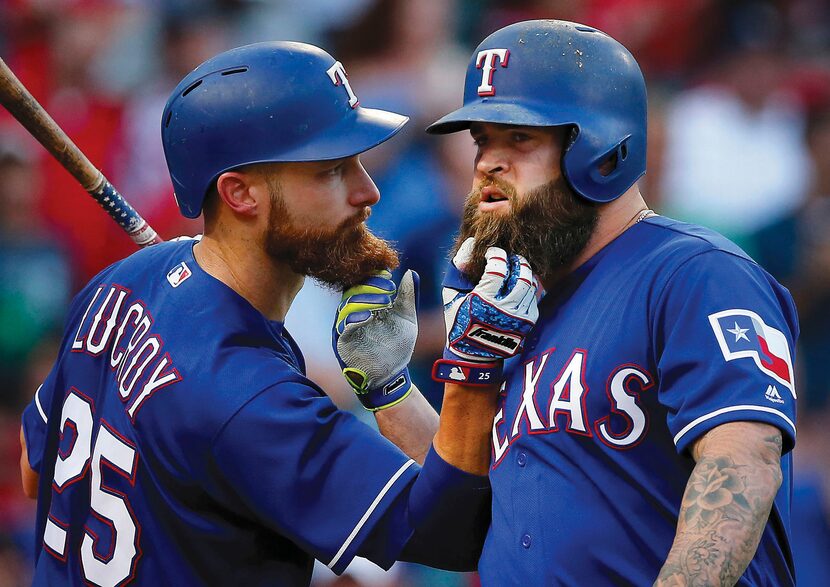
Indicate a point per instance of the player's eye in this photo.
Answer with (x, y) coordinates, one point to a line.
(334, 170)
(520, 137)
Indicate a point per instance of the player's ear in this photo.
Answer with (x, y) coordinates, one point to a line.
(239, 191)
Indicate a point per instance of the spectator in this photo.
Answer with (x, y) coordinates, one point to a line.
(35, 279)
(735, 159)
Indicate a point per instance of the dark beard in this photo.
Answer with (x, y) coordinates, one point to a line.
(549, 226)
(338, 258)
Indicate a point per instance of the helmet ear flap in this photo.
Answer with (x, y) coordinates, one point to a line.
(608, 166)
(591, 172)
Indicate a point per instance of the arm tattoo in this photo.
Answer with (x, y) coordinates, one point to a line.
(722, 516)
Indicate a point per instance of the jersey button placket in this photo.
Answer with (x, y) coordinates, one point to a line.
(521, 459)
(526, 540)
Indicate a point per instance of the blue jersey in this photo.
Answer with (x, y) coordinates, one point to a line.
(667, 332)
(192, 450)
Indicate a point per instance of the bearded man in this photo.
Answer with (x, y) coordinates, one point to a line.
(643, 435)
(179, 400)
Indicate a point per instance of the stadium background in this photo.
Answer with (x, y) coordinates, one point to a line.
(739, 137)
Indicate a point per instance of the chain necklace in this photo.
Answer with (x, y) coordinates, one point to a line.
(644, 214)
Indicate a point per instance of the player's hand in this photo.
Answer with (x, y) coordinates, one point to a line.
(373, 338)
(454, 278)
(488, 324)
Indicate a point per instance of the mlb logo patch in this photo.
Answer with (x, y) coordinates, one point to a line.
(445, 371)
(178, 274)
(743, 334)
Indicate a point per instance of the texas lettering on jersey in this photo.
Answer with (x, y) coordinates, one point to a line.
(540, 411)
(118, 326)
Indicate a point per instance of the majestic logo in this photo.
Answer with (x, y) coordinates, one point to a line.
(772, 395)
(494, 339)
(178, 274)
(486, 61)
(337, 74)
(743, 334)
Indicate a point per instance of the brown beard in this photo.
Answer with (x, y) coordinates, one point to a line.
(549, 226)
(338, 258)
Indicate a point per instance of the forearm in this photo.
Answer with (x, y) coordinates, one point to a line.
(725, 506)
(411, 425)
(463, 438)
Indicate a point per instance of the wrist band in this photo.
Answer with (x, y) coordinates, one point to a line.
(464, 373)
(393, 393)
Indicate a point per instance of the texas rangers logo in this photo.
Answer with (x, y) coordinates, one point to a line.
(486, 61)
(337, 74)
(178, 274)
(743, 334)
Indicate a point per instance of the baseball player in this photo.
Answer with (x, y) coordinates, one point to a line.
(177, 441)
(644, 433)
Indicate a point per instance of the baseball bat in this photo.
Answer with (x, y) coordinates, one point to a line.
(22, 105)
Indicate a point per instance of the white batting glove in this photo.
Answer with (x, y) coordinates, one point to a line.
(488, 324)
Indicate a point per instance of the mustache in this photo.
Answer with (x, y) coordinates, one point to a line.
(508, 189)
(358, 219)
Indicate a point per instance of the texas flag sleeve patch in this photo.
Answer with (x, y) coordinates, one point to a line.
(742, 334)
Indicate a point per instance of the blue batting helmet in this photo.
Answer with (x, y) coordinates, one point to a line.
(275, 101)
(552, 73)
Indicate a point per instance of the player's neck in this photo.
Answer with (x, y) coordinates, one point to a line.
(269, 286)
(614, 219)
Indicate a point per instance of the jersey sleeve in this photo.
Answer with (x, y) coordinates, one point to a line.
(35, 422)
(725, 335)
(311, 472)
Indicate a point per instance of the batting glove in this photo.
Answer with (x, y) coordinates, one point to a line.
(454, 279)
(489, 323)
(374, 336)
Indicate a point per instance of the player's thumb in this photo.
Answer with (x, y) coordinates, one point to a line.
(406, 302)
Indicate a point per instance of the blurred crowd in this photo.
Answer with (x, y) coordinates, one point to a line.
(739, 140)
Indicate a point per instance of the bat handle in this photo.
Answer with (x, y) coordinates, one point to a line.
(114, 204)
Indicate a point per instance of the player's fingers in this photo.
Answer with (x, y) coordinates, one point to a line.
(379, 283)
(352, 319)
(529, 306)
(406, 300)
(362, 303)
(523, 283)
(495, 272)
(465, 252)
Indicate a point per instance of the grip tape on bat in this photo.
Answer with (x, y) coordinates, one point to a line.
(125, 215)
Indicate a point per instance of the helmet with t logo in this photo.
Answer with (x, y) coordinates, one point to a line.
(555, 73)
(275, 101)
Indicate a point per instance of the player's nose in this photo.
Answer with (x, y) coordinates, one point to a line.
(492, 160)
(363, 191)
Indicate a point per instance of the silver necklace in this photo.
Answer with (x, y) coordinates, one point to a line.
(644, 214)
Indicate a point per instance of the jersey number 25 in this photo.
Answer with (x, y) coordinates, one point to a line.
(106, 504)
